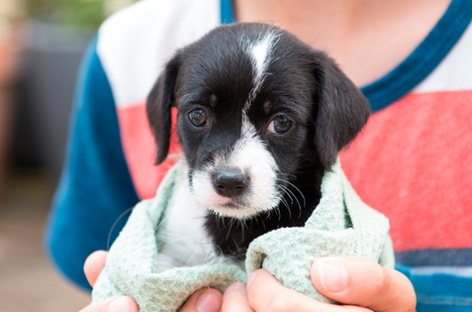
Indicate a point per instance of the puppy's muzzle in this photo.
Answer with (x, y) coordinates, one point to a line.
(230, 182)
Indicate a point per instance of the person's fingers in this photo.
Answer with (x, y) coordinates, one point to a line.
(203, 300)
(265, 293)
(363, 282)
(115, 304)
(94, 265)
(235, 299)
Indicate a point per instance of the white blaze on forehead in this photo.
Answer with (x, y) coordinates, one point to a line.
(260, 53)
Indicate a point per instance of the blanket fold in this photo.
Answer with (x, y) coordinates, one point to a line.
(341, 225)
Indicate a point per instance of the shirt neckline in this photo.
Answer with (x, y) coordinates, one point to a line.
(418, 65)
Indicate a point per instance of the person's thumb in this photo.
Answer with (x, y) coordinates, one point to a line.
(364, 283)
(94, 264)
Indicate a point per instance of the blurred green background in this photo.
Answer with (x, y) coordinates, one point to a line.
(87, 13)
(84, 13)
(42, 43)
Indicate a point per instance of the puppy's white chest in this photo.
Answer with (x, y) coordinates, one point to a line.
(186, 242)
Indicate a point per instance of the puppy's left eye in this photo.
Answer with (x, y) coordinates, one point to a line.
(198, 118)
(280, 125)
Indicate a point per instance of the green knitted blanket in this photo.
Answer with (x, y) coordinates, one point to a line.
(341, 225)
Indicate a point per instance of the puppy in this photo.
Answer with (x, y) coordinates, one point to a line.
(261, 116)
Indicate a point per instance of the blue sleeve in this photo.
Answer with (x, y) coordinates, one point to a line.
(95, 187)
(441, 289)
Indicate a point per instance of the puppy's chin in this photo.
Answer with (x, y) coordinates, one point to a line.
(233, 210)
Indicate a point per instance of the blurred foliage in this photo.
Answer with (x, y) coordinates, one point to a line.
(85, 13)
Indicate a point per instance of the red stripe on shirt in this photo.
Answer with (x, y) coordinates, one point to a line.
(413, 162)
(140, 149)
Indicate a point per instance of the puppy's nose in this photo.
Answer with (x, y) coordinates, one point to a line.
(229, 182)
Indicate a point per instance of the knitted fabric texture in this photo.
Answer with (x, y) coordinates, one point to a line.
(341, 225)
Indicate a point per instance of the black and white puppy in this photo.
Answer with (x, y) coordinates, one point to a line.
(261, 116)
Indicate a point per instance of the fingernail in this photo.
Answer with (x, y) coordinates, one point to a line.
(250, 279)
(120, 304)
(333, 275)
(228, 290)
(207, 302)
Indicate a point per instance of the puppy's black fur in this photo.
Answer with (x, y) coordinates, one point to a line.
(216, 74)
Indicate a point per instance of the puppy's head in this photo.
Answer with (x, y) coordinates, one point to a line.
(255, 106)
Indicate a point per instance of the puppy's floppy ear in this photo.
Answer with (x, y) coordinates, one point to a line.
(342, 109)
(159, 105)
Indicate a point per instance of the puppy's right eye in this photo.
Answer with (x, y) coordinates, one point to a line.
(280, 125)
(198, 118)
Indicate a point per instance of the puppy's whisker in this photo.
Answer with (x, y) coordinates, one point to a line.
(236, 244)
(114, 224)
(298, 202)
(285, 202)
(288, 175)
(219, 251)
(299, 206)
(229, 231)
(277, 211)
(159, 225)
(268, 216)
(285, 189)
(218, 221)
(296, 188)
(263, 224)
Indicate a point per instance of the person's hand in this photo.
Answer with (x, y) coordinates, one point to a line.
(361, 285)
(203, 300)
(92, 268)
